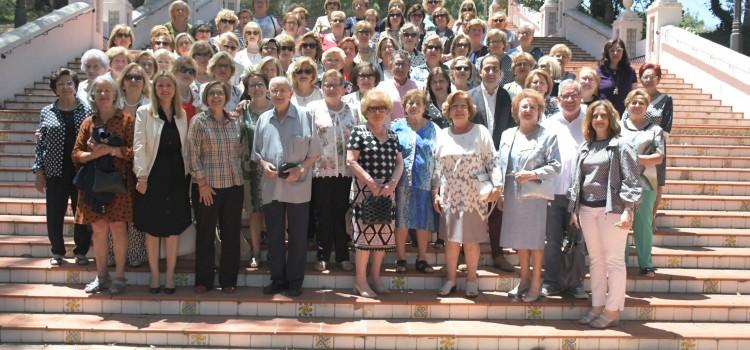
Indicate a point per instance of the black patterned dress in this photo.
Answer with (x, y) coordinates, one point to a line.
(379, 160)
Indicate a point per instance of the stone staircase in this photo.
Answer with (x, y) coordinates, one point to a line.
(698, 299)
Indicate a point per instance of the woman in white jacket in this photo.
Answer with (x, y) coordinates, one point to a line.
(161, 205)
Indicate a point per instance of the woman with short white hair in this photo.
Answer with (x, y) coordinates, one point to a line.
(94, 63)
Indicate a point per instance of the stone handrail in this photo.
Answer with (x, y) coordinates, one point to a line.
(520, 15)
(709, 66)
(147, 16)
(44, 45)
(586, 32)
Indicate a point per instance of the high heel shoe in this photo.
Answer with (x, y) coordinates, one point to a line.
(364, 293)
(447, 289)
(603, 321)
(530, 298)
(378, 286)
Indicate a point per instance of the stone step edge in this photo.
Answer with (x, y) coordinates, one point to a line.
(346, 296)
(340, 327)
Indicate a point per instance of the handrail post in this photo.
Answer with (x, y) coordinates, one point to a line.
(661, 13)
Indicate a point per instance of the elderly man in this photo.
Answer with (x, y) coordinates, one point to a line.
(493, 111)
(286, 147)
(567, 125)
(400, 84)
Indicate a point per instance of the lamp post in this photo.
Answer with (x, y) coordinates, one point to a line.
(735, 39)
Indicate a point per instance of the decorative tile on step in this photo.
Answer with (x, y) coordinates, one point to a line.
(534, 312)
(447, 343)
(305, 309)
(646, 313)
(711, 286)
(198, 339)
(420, 311)
(189, 307)
(73, 337)
(73, 305)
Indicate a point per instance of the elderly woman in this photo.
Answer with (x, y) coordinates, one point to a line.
(459, 196)
(529, 159)
(292, 25)
(201, 52)
(409, 38)
(475, 30)
(225, 21)
(94, 63)
(183, 43)
(161, 204)
(385, 48)
(161, 39)
(589, 79)
(394, 22)
(467, 12)
(106, 211)
(350, 48)
(364, 78)
(269, 67)
(432, 51)
(416, 15)
(118, 60)
(184, 70)
(604, 192)
(338, 30)
(374, 156)
(324, 24)
(164, 60)
(309, 46)
(286, 51)
(147, 61)
(134, 86)
(256, 92)
(563, 55)
(647, 138)
(459, 47)
(250, 56)
(269, 47)
(438, 89)
(58, 127)
(122, 36)
(497, 43)
(359, 7)
(540, 81)
(332, 179)
(463, 74)
(417, 136)
(617, 76)
(659, 112)
(364, 34)
(303, 72)
(230, 44)
(214, 141)
(221, 68)
(523, 63)
(526, 42)
(179, 15)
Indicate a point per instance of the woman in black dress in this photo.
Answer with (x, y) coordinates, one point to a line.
(161, 206)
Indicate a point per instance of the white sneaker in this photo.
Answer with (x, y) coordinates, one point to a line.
(253, 263)
(321, 266)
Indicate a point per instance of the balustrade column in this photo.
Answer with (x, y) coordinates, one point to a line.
(629, 28)
(661, 13)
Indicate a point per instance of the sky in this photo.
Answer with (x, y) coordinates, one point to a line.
(702, 10)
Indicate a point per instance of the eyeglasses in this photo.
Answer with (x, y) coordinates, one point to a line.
(216, 93)
(308, 46)
(306, 71)
(395, 15)
(162, 43)
(227, 21)
(440, 15)
(433, 47)
(462, 46)
(187, 70)
(331, 86)
(462, 68)
(252, 32)
(569, 96)
(229, 47)
(364, 32)
(256, 86)
(133, 77)
(367, 75)
(122, 35)
(377, 109)
(270, 48)
(286, 48)
(409, 35)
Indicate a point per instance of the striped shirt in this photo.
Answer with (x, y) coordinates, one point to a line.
(214, 151)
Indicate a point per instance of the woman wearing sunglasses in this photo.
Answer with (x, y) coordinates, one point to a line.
(187, 87)
(250, 56)
(303, 74)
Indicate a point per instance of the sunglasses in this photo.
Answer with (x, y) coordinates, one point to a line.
(270, 48)
(434, 47)
(163, 43)
(377, 109)
(409, 35)
(305, 71)
(227, 21)
(122, 35)
(367, 75)
(462, 68)
(441, 15)
(133, 77)
(462, 46)
(467, 9)
(395, 15)
(498, 20)
(337, 20)
(229, 47)
(286, 48)
(309, 46)
(252, 32)
(187, 70)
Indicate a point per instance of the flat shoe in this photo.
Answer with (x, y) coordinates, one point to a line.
(169, 290)
(424, 267)
(154, 290)
(447, 289)
(472, 290)
(602, 322)
(400, 266)
(589, 317)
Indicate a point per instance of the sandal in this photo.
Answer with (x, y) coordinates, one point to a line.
(439, 243)
(424, 267)
(400, 266)
(117, 286)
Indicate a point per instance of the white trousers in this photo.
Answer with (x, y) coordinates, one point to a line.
(605, 244)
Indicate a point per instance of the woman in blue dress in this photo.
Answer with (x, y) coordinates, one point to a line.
(417, 135)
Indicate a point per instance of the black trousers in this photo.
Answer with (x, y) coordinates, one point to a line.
(330, 198)
(227, 211)
(59, 189)
(287, 263)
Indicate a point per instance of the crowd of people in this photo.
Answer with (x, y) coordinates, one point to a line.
(368, 133)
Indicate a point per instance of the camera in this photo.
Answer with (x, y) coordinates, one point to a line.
(102, 136)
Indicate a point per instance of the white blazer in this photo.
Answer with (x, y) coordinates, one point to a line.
(148, 127)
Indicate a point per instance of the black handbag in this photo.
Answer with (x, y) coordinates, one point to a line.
(112, 182)
(377, 210)
(573, 264)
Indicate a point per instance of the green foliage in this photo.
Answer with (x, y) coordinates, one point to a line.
(533, 4)
(692, 23)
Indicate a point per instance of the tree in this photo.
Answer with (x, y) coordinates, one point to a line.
(692, 23)
(724, 16)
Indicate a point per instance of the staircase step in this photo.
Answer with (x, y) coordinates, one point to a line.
(708, 150)
(726, 188)
(681, 280)
(711, 129)
(694, 139)
(26, 147)
(19, 125)
(703, 218)
(34, 98)
(25, 105)
(709, 237)
(17, 136)
(697, 257)
(27, 115)
(425, 305)
(19, 189)
(700, 108)
(351, 333)
(713, 118)
(707, 161)
(704, 202)
(16, 160)
(16, 174)
(714, 174)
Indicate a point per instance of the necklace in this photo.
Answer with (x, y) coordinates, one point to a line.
(132, 105)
